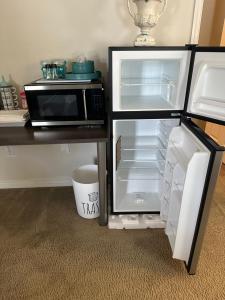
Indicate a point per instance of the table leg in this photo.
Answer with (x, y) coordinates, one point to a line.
(102, 175)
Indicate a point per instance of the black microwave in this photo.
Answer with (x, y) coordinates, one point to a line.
(58, 103)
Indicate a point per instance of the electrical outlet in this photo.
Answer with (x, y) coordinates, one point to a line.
(10, 151)
(65, 148)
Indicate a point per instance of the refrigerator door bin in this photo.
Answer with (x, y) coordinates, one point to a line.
(172, 223)
(174, 204)
(149, 80)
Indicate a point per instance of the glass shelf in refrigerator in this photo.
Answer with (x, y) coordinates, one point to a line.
(147, 81)
(123, 164)
(142, 143)
(147, 155)
(144, 103)
(139, 174)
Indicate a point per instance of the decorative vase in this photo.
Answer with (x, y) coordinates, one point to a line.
(146, 17)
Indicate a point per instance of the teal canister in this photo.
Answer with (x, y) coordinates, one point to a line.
(83, 67)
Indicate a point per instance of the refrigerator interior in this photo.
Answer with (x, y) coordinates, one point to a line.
(207, 95)
(139, 161)
(149, 80)
(159, 166)
(150, 83)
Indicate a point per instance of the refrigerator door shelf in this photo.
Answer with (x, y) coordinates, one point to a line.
(145, 103)
(181, 158)
(173, 182)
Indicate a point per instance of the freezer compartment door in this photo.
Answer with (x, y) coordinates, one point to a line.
(206, 90)
(149, 80)
(192, 166)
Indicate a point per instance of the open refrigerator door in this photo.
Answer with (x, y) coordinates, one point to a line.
(192, 165)
(206, 89)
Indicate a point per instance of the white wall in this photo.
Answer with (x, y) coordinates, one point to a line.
(32, 30)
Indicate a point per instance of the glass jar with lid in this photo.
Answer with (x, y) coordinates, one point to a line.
(61, 68)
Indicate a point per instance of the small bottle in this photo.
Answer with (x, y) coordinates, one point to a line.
(44, 71)
(54, 72)
(1, 103)
(23, 98)
(48, 71)
(44, 65)
(61, 68)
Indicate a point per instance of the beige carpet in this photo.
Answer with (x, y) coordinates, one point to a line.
(48, 252)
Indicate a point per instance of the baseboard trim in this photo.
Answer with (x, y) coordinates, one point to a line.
(35, 182)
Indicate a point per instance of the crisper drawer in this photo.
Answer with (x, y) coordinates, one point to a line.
(137, 196)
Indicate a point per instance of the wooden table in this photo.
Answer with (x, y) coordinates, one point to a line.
(16, 136)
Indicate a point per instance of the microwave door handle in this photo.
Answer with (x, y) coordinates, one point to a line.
(85, 103)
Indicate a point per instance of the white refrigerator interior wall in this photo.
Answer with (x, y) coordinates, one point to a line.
(31, 31)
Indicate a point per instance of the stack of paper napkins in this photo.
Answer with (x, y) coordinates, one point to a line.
(13, 117)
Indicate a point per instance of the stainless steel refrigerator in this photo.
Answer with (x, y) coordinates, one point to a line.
(164, 167)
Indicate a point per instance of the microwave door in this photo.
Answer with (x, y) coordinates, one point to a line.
(55, 107)
(205, 98)
(192, 166)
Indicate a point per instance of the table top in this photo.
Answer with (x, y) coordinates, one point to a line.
(12, 136)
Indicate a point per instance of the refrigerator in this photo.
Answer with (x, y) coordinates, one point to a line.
(163, 167)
